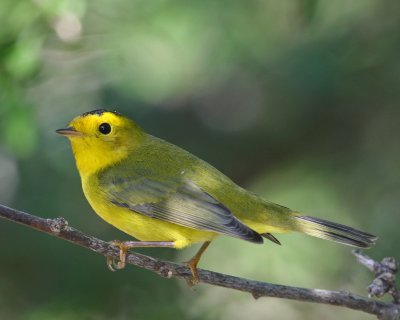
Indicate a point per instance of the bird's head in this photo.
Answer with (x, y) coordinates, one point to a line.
(101, 138)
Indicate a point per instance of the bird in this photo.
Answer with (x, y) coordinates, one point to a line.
(164, 196)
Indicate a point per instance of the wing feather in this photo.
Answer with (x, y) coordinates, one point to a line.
(179, 202)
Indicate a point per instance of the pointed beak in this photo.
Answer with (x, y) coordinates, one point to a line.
(69, 132)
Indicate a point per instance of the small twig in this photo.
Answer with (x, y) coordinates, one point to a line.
(385, 276)
(59, 228)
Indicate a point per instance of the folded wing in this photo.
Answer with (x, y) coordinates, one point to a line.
(180, 202)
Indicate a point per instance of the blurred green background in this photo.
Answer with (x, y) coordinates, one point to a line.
(295, 100)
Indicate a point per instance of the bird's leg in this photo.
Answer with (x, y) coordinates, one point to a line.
(192, 264)
(124, 246)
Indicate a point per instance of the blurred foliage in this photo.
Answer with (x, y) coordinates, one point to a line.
(296, 100)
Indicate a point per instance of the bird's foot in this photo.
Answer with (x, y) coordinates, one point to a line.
(192, 265)
(114, 264)
(124, 246)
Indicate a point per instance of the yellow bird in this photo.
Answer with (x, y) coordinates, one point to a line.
(166, 197)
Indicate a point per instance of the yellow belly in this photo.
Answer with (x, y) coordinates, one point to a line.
(140, 226)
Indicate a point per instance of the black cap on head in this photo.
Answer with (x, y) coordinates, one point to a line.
(99, 112)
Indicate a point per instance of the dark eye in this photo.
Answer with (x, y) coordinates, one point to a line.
(105, 128)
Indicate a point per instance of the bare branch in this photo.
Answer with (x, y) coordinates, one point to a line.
(385, 276)
(59, 228)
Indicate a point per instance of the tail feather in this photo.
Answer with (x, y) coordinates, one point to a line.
(335, 232)
(271, 238)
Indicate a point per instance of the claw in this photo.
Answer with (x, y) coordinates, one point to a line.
(114, 265)
(110, 263)
(192, 265)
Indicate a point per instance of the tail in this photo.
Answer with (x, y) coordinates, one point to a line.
(334, 231)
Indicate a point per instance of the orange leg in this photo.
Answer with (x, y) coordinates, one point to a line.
(124, 246)
(192, 264)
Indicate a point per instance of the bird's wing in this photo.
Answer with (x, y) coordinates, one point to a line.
(180, 202)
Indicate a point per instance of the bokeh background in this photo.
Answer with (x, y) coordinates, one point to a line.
(295, 100)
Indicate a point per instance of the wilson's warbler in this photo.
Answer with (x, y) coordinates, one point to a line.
(167, 197)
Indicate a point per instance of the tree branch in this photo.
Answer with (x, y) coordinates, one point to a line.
(59, 228)
(385, 276)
